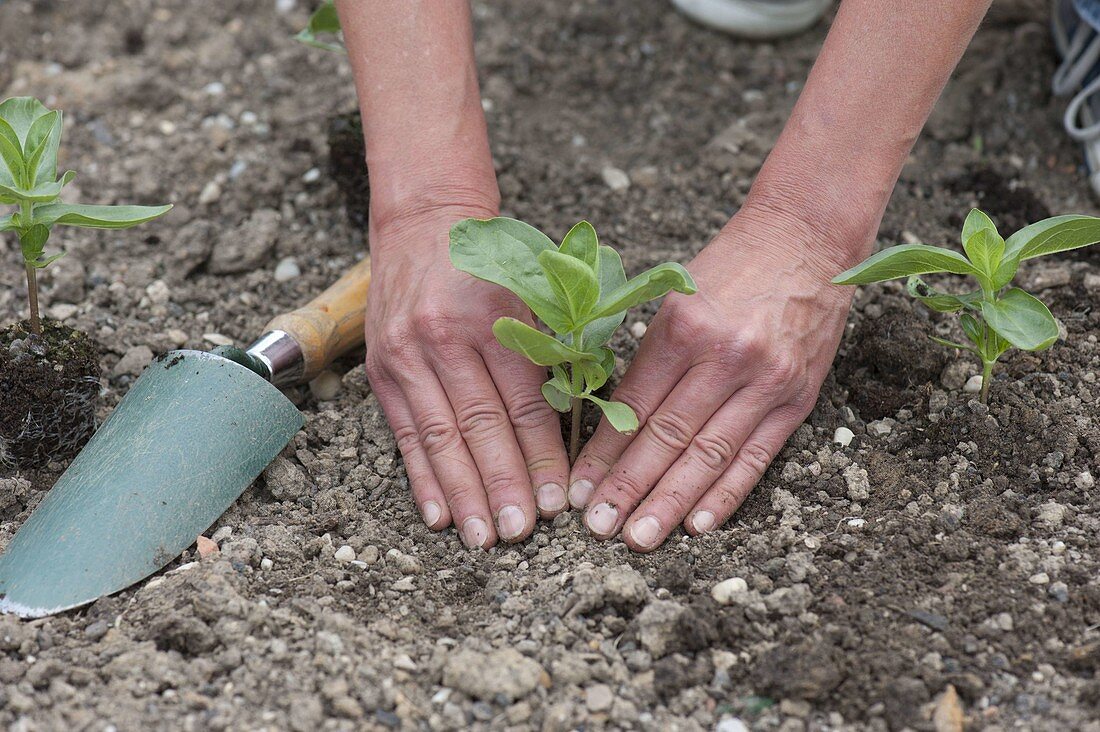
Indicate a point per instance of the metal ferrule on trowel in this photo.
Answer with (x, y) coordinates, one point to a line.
(191, 434)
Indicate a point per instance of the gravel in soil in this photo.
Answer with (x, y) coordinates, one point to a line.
(941, 564)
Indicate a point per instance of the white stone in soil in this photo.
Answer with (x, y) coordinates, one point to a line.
(217, 339)
(312, 175)
(134, 361)
(880, 428)
(615, 179)
(211, 192)
(158, 292)
(62, 311)
(598, 698)
(344, 554)
(1084, 480)
(843, 436)
(638, 330)
(326, 386)
(266, 564)
(287, 269)
(973, 385)
(1039, 578)
(404, 662)
(859, 485)
(731, 724)
(176, 337)
(1092, 282)
(405, 584)
(1051, 513)
(725, 591)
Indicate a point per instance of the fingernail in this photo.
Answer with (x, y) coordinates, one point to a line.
(579, 493)
(645, 531)
(601, 519)
(511, 522)
(475, 532)
(702, 522)
(431, 512)
(550, 497)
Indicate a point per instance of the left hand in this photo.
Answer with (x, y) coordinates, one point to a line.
(720, 381)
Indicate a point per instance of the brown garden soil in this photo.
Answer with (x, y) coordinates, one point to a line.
(950, 545)
(50, 383)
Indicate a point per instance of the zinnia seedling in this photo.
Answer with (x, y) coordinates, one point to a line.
(994, 317)
(324, 21)
(29, 137)
(579, 290)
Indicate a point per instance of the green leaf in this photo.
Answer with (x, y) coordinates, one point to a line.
(14, 169)
(573, 283)
(594, 373)
(1022, 320)
(505, 252)
(7, 223)
(41, 193)
(323, 20)
(40, 150)
(941, 302)
(97, 217)
(538, 347)
(33, 241)
(976, 221)
(557, 398)
(1057, 234)
(621, 417)
(905, 260)
(952, 344)
(985, 247)
(21, 113)
(651, 284)
(582, 243)
(1005, 272)
(972, 328)
(43, 263)
(611, 276)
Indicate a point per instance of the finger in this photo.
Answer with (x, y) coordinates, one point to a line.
(537, 426)
(655, 372)
(664, 437)
(454, 467)
(756, 453)
(426, 490)
(707, 456)
(487, 431)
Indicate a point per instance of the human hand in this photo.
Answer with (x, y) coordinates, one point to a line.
(481, 445)
(720, 381)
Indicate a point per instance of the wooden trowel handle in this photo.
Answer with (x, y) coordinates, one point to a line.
(332, 323)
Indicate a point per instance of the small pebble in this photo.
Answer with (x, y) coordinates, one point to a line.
(206, 547)
(176, 337)
(63, 311)
(638, 330)
(843, 436)
(211, 192)
(158, 292)
(214, 88)
(615, 179)
(312, 175)
(879, 428)
(1059, 591)
(405, 584)
(731, 724)
(167, 127)
(404, 662)
(344, 554)
(1040, 578)
(326, 386)
(598, 698)
(369, 555)
(973, 385)
(724, 592)
(217, 339)
(287, 270)
(266, 564)
(1084, 481)
(133, 362)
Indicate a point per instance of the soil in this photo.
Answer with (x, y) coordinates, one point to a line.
(950, 546)
(50, 384)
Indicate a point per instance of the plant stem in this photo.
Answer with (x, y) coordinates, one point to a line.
(575, 430)
(987, 377)
(32, 295)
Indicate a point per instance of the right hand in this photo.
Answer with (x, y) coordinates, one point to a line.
(481, 446)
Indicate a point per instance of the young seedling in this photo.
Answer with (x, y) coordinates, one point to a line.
(994, 317)
(324, 21)
(29, 137)
(578, 290)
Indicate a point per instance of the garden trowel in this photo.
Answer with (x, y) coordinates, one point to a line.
(192, 433)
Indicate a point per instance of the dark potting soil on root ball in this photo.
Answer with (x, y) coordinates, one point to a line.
(50, 386)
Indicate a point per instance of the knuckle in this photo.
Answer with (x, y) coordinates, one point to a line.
(395, 343)
(755, 457)
(783, 369)
(438, 435)
(498, 484)
(687, 326)
(669, 429)
(714, 451)
(435, 326)
(480, 418)
(407, 440)
(528, 410)
(459, 495)
(625, 482)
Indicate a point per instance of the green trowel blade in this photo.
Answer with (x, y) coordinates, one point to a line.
(192, 433)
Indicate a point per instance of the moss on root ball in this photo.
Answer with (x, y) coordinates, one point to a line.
(50, 384)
